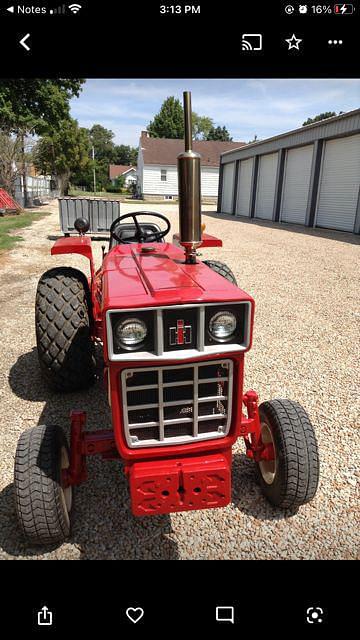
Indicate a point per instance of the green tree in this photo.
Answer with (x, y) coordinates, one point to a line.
(10, 158)
(34, 106)
(321, 116)
(201, 126)
(124, 154)
(63, 152)
(169, 122)
(84, 176)
(120, 182)
(106, 153)
(118, 186)
(102, 140)
(102, 173)
(219, 133)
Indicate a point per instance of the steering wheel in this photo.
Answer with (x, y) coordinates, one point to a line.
(139, 235)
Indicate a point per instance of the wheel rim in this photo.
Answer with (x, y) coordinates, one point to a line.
(267, 467)
(65, 492)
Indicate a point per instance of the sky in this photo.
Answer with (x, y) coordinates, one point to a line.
(265, 107)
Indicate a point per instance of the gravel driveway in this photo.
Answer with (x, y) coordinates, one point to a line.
(306, 347)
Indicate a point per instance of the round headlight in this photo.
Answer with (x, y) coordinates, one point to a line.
(131, 332)
(222, 325)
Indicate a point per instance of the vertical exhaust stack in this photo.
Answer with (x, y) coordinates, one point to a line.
(189, 176)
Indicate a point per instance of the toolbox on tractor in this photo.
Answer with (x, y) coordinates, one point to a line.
(174, 332)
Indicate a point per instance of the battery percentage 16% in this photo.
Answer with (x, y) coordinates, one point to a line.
(321, 8)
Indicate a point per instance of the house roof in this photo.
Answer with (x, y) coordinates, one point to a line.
(165, 150)
(116, 170)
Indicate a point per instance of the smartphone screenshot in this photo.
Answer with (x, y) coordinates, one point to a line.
(179, 277)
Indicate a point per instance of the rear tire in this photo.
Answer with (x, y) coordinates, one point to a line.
(292, 478)
(222, 269)
(43, 506)
(62, 319)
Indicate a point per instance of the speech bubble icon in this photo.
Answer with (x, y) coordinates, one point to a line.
(225, 614)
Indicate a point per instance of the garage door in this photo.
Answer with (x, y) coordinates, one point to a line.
(228, 187)
(296, 184)
(265, 193)
(243, 198)
(339, 184)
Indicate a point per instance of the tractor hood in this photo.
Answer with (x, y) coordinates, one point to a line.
(138, 275)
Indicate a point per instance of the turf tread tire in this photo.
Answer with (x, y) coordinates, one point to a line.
(222, 269)
(62, 321)
(297, 473)
(40, 509)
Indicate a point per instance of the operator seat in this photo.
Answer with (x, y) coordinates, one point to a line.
(127, 230)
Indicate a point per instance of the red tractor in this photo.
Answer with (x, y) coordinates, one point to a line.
(174, 332)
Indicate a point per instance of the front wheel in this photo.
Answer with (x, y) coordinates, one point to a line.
(291, 477)
(222, 269)
(63, 329)
(43, 504)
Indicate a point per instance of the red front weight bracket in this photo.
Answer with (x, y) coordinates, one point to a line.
(255, 448)
(181, 484)
(85, 443)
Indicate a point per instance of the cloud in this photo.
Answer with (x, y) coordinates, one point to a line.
(245, 106)
(109, 111)
(131, 90)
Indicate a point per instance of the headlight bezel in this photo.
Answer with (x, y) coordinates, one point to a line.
(222, 338)
(127, 321)
(238, 336)
(147, 344)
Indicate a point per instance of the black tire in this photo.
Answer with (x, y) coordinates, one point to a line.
(41, 507)
(295, 475)
(62, 320)
(222, 269)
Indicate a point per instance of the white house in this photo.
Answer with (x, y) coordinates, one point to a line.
(129, 173)
(157, 169)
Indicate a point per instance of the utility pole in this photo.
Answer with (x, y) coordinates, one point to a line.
(23, 170)
(93, 157)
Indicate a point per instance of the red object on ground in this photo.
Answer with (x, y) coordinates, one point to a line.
(7, 202)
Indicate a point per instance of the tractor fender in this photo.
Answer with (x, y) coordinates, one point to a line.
(77, 244)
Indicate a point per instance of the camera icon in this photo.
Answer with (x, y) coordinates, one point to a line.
(314, 615)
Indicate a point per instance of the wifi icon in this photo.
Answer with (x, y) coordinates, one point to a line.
(75, 8)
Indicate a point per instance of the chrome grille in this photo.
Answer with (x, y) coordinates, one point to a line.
(177, 404)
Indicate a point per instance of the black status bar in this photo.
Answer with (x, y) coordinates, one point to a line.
(227, 40)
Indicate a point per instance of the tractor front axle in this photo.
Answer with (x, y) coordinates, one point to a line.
(86, 443)
(162, 486)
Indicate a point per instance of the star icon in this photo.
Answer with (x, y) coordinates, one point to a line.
(293, 42)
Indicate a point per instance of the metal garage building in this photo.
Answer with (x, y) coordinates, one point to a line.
(308, 176)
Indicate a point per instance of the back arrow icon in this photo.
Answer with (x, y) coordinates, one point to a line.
(23, 43)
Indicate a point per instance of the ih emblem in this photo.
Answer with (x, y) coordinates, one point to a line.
(181, 334)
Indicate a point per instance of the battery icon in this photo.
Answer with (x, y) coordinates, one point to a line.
(342, 9)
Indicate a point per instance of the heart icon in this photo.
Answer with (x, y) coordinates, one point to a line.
(134, 614)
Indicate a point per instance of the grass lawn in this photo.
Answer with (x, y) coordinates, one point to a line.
(9, 224)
